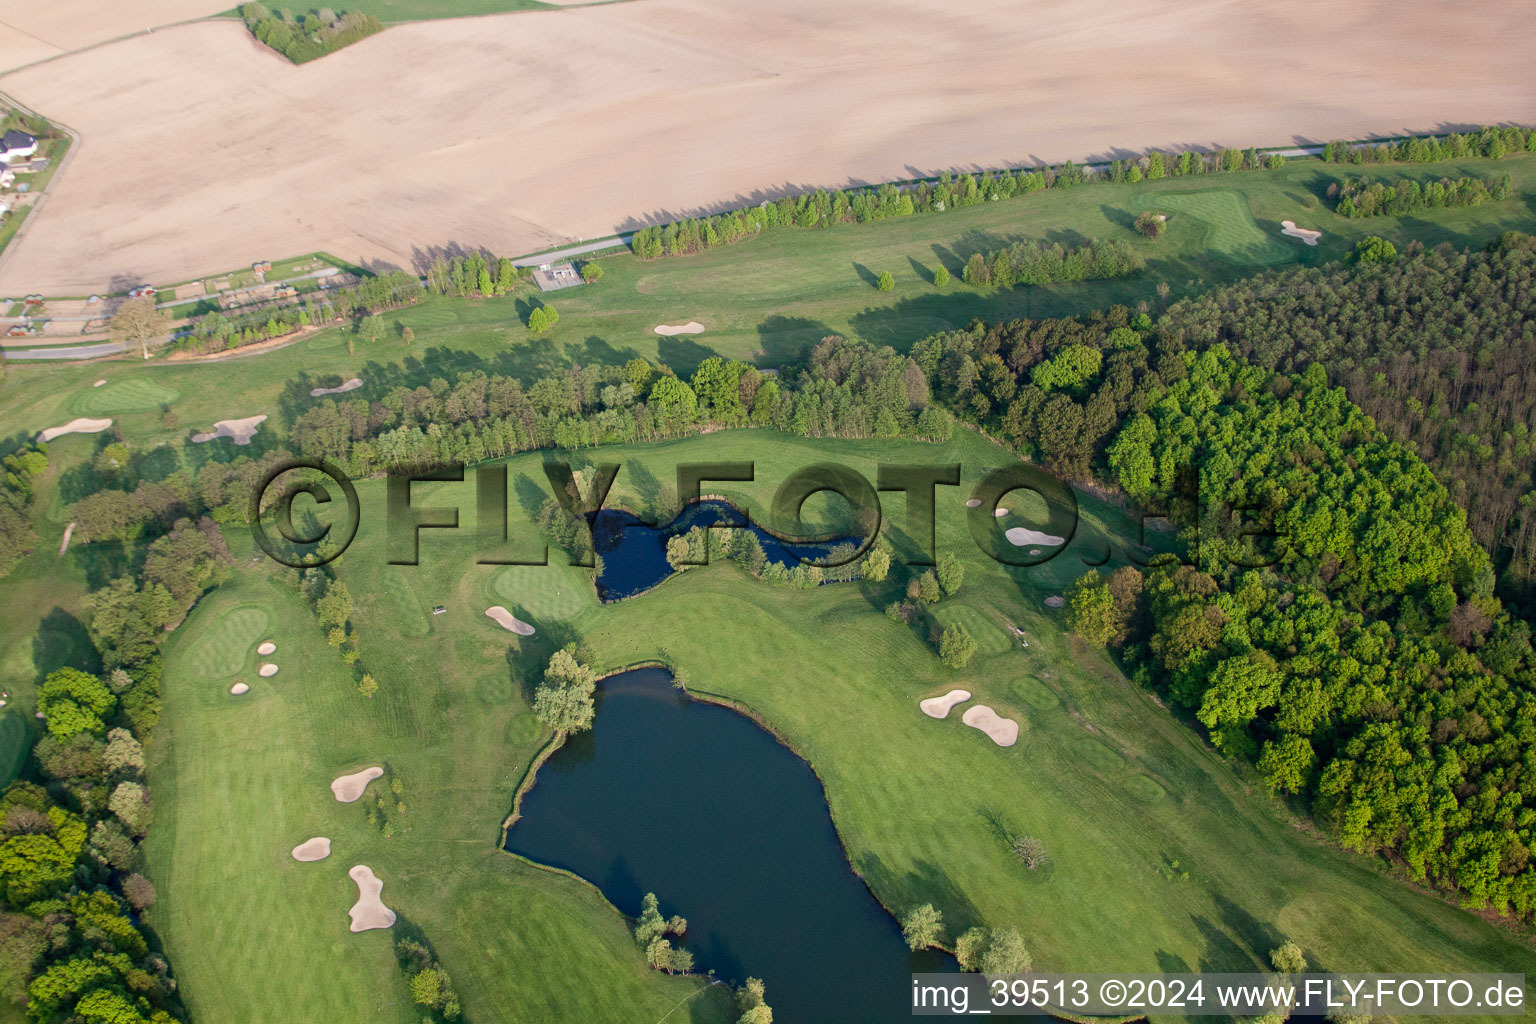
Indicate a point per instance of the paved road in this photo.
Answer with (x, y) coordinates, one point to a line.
(105, 348)
(575, 250)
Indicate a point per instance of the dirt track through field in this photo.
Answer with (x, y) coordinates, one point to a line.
(202, 150)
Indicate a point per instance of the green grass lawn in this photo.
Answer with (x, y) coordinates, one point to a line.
(1118, 789)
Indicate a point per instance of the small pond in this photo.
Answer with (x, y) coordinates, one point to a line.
(635, 554)
(730, 829)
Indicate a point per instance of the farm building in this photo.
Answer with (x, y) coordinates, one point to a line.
(551, 277)
(17, 145)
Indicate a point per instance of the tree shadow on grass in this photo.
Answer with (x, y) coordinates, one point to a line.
(682, 354)
(866, 275)
(923, 273)
(926, 882)
(62, 641)
(786, 339)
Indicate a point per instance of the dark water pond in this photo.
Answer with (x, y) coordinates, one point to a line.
(731, 830)
(635, 555)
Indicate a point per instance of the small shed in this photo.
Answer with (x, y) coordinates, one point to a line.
(551, 277)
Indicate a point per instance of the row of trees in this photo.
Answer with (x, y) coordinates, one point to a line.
(825, 208)
(308, 36)
(1049, 262)
(1360, 198)
(1489, 143)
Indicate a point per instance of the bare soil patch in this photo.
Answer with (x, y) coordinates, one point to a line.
(194, 111)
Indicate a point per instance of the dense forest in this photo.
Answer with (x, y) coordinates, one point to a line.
(1436, 346)
(1363, 661)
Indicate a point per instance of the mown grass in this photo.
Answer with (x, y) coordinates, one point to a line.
(1233, 233)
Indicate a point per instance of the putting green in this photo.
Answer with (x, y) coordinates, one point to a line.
(1036, 694)
(225, 645)
(132, 395)
(546, 593)
(1233, 234)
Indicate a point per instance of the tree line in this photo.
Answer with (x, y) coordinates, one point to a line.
(1490, 143)
(1049, 262)
(1358, 197)
(307, 36)
(829, 207)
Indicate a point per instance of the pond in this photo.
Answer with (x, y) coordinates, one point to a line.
(635, 555)
(731, 830)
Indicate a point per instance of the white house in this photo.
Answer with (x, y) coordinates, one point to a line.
(17, 145)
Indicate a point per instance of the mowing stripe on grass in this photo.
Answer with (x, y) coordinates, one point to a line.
(1234, 235)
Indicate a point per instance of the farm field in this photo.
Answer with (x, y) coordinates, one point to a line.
(1163, 858)
(578, 85)
(770, 299)
(31, 32)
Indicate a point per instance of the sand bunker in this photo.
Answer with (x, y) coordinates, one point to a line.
(267, 670)
(100, 383)
(1055, 601)
(76, 426)
(1288, 227)
(1019, 536)
(312, 850)
(509, 621)
(369, 911)
(239, 688)
(351, 385)
(998, 513)
(349, 787)
(1003, 731)
(691, 327)
(267, 647)
(240, 430)
(973, 503)
(938, 707)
